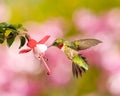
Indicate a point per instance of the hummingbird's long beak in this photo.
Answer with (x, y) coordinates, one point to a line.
(50, 45)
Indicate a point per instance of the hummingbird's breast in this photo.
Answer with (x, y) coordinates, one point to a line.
(69, 52)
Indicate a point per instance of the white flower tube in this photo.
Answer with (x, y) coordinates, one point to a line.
(39, 52)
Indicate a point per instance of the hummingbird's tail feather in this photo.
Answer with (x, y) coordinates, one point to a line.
(79, 65)
(77, 70)
(83, 58)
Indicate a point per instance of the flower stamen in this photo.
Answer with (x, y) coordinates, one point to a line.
(46, 66)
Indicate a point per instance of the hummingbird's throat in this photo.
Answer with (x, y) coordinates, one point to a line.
(60, 47)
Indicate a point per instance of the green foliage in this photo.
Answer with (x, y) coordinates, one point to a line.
(11, 38)
(9, 32)
(1, 38)
(22, 41)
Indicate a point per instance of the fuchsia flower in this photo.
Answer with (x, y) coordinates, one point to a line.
(39, 49)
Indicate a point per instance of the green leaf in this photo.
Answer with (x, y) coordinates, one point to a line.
(17, 27)
(22, 41)
(10, 39)
(3, 27)
(12, 27)
(1, 30)
(10, 31)
(7, 32)
(24, 29)
(4, 24)
(1, 38)
(20, 26)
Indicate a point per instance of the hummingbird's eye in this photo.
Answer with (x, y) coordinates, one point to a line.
(55, 43)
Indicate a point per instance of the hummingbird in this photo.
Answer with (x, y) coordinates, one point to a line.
(71, 50)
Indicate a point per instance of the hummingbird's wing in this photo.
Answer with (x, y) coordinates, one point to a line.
(79, 65)
(83, 44)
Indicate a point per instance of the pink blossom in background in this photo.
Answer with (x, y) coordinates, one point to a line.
(113, 18)
(61, 67)
(106, 23)
(13, 72)
(19, 86)
(108, 49)
(105, 28)
(4, 55)
(52, 27)
(86, 21)
(36, 87)
(20, 62)
(113, 84)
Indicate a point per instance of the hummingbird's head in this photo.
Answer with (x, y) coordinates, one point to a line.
(58, 42)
